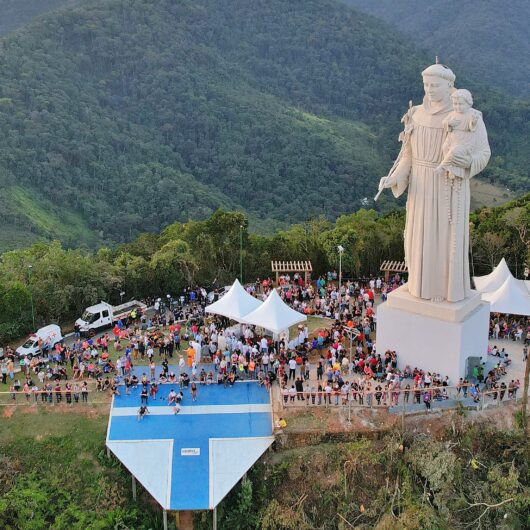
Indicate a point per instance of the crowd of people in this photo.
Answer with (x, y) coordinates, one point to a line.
(325, 297)
(514, 328)
(339, 364)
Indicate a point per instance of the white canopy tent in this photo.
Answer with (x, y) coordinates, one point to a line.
(494, 280)
(274, 314)
(511, 298)
(235, 304)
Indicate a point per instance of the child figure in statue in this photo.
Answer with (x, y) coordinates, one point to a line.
(459, 126)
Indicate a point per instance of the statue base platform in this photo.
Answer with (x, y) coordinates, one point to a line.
(450, 311)
(442, 337)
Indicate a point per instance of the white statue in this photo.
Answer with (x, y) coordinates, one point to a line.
(442, 148)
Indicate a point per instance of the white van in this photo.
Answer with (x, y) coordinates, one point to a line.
(41, 341)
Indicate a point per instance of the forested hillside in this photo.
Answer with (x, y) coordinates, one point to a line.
(122, 116)
(487, 37)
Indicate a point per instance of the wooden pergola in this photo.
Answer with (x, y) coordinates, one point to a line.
(292, 266)
(389, 266)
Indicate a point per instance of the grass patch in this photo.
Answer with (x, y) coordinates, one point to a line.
(55, 474)
(28, 218)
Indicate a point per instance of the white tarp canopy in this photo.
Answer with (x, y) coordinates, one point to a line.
(235, 304)
(494, 280)
(512, 298)
(274, 314)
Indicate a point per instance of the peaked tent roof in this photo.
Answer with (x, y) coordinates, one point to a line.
(511, 298)
(494, 280)
(274, 314)
(235, 304)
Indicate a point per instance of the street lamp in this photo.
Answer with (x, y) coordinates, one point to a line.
(122, 294)
(352, 333)
(30, 267)
(241, 253)
(340, 248)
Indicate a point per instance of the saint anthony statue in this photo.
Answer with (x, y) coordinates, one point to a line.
(437, 224)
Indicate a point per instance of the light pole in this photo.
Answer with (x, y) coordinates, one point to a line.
(351, 332)
(122, 294)
(340, 248)
(30, 267)
(241, 254)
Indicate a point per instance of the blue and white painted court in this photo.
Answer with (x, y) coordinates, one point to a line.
(191, 460)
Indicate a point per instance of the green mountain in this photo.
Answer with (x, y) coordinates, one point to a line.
(127, 115)
(488, 38)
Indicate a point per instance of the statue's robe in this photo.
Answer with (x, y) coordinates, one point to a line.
(436, 249)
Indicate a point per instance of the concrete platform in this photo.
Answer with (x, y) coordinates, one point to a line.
(191, 460)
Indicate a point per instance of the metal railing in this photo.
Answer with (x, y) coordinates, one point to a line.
(407, 400)
(54, 397)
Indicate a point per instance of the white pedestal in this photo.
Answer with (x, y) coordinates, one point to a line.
(433, 336)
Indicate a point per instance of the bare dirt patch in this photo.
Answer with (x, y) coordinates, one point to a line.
(8, 412)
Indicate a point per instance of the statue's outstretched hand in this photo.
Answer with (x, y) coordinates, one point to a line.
(387, 182)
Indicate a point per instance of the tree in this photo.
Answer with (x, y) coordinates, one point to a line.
(173, 266)
(492, 247)
(519, 219)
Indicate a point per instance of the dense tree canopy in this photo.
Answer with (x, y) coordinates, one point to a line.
(63, 281)
(489, 38)
(119, 117)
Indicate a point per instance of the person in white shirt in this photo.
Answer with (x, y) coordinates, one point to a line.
(327, 394)
(345, 364)
(221, 341)
(292, 368)
(172, 397)
(301, 337)
(265, 362)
